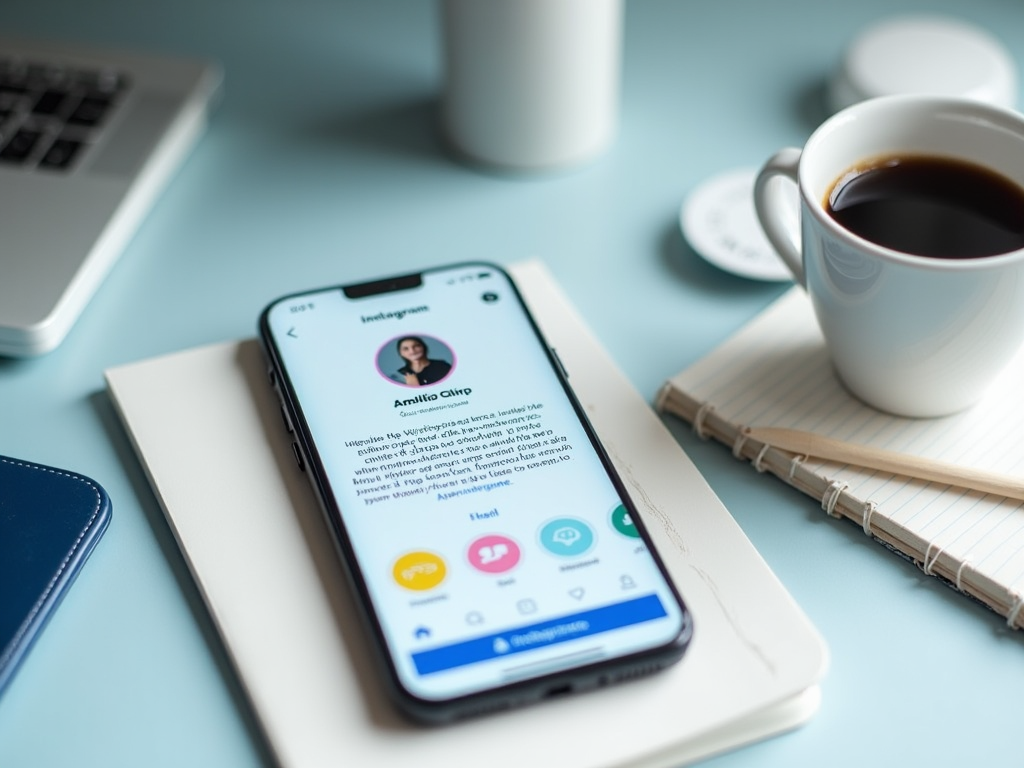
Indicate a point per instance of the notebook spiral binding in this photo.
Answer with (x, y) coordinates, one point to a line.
(838, 502)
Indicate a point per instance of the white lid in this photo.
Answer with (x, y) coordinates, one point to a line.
(720, 223)
(925, 54)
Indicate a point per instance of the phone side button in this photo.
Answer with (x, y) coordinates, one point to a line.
(561, 366)
(298, 456)
(287, 420)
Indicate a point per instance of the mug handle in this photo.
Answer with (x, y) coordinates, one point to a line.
(777, 220)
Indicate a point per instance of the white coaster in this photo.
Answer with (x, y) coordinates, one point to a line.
(719, 221)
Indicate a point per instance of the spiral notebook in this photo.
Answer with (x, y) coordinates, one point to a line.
(775, 372)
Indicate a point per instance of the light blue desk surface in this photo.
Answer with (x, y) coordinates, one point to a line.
(323, 164)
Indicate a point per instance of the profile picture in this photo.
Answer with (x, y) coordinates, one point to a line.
(415, 360)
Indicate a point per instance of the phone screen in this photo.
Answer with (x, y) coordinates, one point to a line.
(487, 534)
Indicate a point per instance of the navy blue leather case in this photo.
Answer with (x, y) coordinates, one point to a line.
(50, 520)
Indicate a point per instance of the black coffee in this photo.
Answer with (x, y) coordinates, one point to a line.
(930, 206)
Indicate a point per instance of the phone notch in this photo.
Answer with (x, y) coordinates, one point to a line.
(388, 285)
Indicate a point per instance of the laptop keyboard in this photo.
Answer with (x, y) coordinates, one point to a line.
(49, 114)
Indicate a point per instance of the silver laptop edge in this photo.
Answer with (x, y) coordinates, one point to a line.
(132, 175)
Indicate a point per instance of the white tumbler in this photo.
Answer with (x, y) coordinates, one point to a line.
(531, 85)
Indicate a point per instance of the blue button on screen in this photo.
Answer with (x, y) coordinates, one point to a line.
(533, 636)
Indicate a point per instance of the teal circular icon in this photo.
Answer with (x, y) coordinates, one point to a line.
(622, 522)
(566, 537)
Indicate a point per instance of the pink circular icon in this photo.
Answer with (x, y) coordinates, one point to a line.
(493, 554)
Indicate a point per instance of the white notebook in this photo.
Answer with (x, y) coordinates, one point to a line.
(209, 433)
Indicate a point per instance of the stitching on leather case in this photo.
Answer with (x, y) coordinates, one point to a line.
(67, 558)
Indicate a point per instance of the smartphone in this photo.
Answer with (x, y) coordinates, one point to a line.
(492, 548)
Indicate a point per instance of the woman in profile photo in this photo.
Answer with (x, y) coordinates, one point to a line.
(419, 369)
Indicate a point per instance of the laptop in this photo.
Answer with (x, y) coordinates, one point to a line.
(88, 138)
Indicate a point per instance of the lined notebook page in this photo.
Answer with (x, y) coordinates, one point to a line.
(775, 372)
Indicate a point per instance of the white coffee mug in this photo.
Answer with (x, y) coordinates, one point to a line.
(531, 85)
(912, 335)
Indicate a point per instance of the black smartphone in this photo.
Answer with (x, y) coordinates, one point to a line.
(490, 543)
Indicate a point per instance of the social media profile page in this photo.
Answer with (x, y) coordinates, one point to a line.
(486, 529)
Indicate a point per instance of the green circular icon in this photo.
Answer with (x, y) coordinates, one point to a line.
(567, 537)
(623, 522)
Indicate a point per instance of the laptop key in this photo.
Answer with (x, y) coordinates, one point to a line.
(20, 146)
(60, 154)
(90, 111)
(50, 102)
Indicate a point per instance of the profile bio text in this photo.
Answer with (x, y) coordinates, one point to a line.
(456, 457)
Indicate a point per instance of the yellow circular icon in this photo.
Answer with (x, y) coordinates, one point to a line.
(419, 570)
